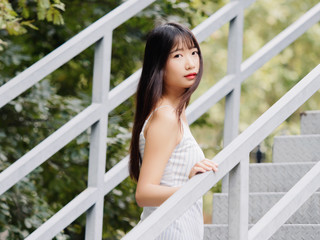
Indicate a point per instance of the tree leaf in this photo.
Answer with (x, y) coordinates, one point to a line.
(60, 6)
(44, 4)
(57, 18)
(29, 24)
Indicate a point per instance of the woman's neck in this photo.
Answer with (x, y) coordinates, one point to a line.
(167, 100)
(174, 102)
(172, 98)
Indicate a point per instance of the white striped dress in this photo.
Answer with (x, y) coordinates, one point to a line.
(189, 226)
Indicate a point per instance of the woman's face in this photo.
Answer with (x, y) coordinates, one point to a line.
(181, 68)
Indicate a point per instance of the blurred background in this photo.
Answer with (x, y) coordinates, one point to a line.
(30, 29)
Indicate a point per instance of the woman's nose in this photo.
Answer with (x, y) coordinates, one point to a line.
(190, 62)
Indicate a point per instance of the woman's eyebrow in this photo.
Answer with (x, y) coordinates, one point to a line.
(176, 50)
(181, 49)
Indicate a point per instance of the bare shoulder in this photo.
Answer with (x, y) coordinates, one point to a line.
(163, 121)
(166, 115)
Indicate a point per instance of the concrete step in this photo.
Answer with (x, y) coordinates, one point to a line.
(260, 203)
(276, 177)
(304, 148)
(310, 122)
(286, 232)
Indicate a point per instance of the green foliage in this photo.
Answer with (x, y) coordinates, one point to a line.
(25, 122)
(16, 16)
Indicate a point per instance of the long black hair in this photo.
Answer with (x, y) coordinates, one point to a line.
(160, 42)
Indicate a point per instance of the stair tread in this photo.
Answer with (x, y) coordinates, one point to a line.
(297, 148)
(260, 203)
(310, 122)
(293, 157)
(276, 177)
(286, 232)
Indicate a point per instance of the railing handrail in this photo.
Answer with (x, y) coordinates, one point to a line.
(227, 158)
(45, 149)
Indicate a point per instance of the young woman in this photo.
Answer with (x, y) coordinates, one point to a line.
(163, 153)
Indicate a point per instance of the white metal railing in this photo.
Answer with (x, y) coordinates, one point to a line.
(235, 157)
(237, 151)
(96, 115)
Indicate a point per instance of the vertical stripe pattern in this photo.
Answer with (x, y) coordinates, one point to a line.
(189, 226)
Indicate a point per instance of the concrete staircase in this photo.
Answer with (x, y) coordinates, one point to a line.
(293, 157)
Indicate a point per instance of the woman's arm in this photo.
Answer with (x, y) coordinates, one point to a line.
(162, 134)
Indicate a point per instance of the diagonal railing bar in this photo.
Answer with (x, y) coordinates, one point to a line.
(210, 98)
(116, 175)
(81, 203)
(228, 158)
(287, 205)
(70, 49)
(124, 90)
(48, 147)
(152, 226)
(280, 42)
(217, 20)
(66, 215)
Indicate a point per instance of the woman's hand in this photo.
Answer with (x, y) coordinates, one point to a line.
(203, 166)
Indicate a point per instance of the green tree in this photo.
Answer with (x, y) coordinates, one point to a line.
(17, 16)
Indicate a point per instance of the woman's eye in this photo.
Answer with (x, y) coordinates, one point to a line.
(177, 56)
(195, 53)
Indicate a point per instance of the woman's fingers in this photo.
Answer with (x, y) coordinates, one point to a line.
(203, 166)
(212, 165)
(199, 170)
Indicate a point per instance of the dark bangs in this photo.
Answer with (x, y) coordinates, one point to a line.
(184, 40)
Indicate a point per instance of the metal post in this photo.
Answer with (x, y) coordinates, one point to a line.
(232, 104)
(238, 200)
(234, 181)
(97, 158)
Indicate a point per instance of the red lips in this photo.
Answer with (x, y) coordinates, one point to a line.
(191, 75)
